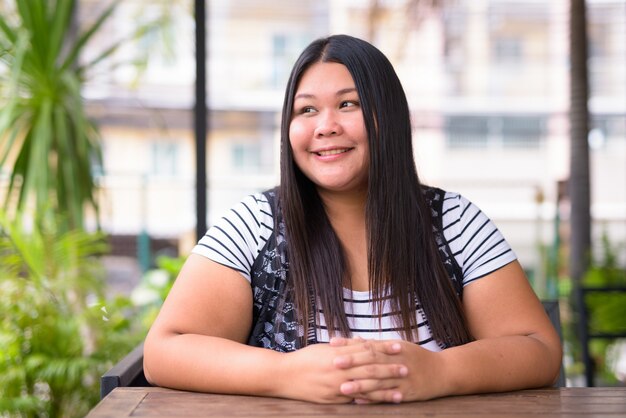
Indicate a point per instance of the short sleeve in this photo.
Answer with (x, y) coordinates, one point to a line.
(476, 243)
(236, 239)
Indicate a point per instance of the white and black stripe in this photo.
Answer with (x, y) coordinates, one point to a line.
(477, 245)
(237, 238)
(364, 322)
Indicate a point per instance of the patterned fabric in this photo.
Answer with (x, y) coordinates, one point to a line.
(275, 324)
(435, 197)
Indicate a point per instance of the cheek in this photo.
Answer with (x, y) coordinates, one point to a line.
(297, 135)
(358, 130)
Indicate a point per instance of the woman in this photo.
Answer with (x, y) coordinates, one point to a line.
(414, 288)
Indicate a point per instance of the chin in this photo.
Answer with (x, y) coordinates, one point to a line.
(340, 188)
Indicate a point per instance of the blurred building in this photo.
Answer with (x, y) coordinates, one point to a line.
(487, 82)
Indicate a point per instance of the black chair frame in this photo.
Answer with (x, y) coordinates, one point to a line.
(128, 372)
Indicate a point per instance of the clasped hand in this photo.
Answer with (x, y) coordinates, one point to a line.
(362, 371)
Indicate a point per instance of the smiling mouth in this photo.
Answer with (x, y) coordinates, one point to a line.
(332, 152)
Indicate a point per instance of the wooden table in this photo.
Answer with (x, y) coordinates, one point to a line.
(563, 402)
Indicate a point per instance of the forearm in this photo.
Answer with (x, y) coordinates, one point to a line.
(210, 364)
(500, 364)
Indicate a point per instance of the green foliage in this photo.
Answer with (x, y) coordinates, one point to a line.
(47, 139)
(154, 287)
(607, 309)
(58, 332)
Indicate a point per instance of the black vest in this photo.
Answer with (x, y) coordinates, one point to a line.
(275, 323)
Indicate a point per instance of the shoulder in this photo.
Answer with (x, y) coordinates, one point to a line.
(448, 205)
(254, 208)
(253, 214)
(476, 243)
(236, 239)
(456, 209)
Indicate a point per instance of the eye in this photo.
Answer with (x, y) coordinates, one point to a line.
(349, 103)
(305, 109)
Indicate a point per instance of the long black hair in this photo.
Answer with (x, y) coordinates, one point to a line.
(403, 257)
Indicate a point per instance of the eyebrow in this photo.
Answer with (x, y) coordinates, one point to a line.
(339, 93)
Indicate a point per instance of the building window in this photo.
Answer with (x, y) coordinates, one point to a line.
(285, 51)
(607, 128)
(508, 50)
(97, 167)
(481, 132)
(467, 131)
(164, 158)
(246, 157)
(523, 131)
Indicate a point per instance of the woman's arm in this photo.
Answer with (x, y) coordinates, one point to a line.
(198, 340)
(198, 343)
(516, 347)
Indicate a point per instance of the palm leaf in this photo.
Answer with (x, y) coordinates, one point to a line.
(27, 10)
(85, 37)
(8, 114)
(46, 135)
(25, 246)
(67, 175)
(101, 57)
(8, 118)
(8, 31)
(20, 167)
(59, 22)
(141, 32)
(36, 176)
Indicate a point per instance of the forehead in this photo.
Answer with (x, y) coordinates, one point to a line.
(325, 76)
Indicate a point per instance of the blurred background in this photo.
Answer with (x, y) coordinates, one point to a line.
(487, 81)
(495, 110)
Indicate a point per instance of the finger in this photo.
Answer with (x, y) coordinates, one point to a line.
(389, 396)
(383, 347)
(373, 390)
(361, 358)
(338, 342)
(392, 395)
(355, 355)
(377, 372)
(387, 347)
(364, 354)
(342, 342)
(390, 347)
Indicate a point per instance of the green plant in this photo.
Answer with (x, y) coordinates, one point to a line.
(58, 332)
(155, 284)
(607, 309)
(48, 142)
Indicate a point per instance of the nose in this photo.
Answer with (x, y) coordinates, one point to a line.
(328, 125)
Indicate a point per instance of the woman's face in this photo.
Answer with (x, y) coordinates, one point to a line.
(327, 131)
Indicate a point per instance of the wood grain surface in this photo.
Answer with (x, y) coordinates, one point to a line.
(552, 402)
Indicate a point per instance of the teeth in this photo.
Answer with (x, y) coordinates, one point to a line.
(332, 152)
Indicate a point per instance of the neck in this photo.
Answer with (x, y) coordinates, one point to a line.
(344, 207)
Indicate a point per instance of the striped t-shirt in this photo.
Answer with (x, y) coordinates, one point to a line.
(477, 245)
